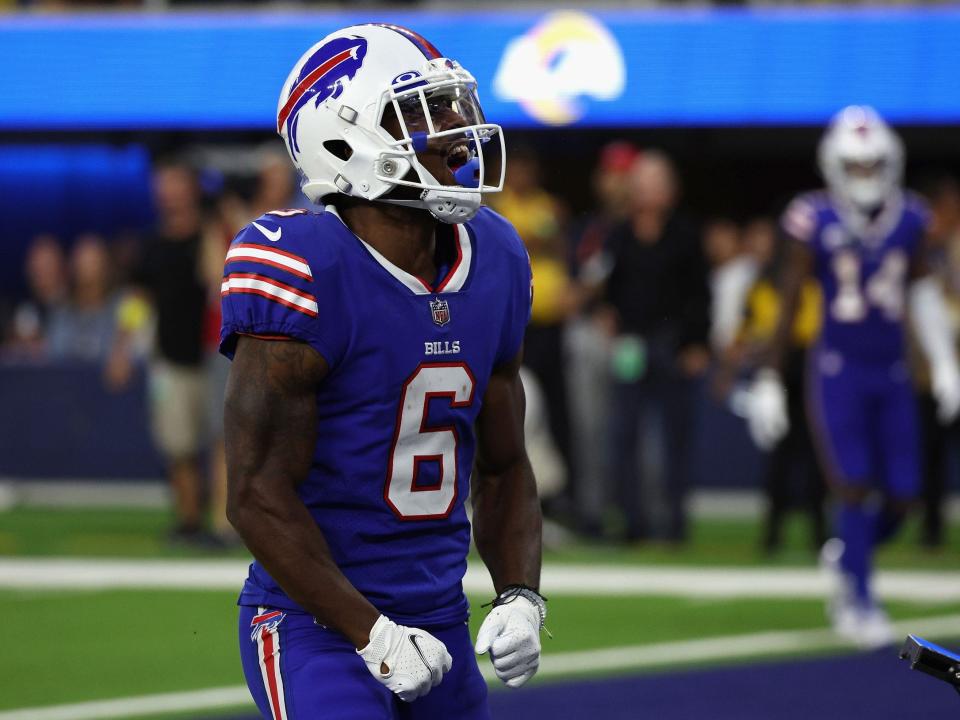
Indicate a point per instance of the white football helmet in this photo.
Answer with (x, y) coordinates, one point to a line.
(360, 104)
(861, 158)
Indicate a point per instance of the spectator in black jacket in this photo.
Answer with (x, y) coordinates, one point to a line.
(173, 278)
(658, 291)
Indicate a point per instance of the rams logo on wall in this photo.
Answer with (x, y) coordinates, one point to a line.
(563, 59)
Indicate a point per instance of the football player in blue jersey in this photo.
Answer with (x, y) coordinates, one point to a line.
(376, 346)
(864, 239)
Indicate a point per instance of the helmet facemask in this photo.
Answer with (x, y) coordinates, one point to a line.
(354, 127)
(439, 143)
(868, 182)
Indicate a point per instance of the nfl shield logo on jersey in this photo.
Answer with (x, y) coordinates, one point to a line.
(440, 311)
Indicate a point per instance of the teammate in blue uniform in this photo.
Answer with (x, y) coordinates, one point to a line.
(864, 239)
(376, 346)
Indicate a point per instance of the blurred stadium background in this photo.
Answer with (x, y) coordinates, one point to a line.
(118, 604)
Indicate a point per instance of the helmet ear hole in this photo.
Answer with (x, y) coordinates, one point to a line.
(338, 148)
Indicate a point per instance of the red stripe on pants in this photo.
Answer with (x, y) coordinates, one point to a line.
(268, 660)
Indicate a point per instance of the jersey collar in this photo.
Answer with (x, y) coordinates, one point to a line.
(452, 282)
(872, 232)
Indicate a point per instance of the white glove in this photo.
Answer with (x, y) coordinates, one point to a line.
(767, 418)
(945, 387)
(511, 632)
(414, 660)
(934, 330)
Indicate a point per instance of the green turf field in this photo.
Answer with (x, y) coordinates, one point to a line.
(73, 645)
(79, 646)
(141, 533)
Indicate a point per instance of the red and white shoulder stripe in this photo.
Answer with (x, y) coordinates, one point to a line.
(274, 290)
(271, 257)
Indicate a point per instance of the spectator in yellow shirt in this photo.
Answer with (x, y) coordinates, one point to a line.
(539, 218)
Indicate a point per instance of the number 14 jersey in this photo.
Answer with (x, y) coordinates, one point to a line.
(409, 364)
(862, 271)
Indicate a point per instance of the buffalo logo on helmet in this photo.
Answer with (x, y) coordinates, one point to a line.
(321, 77)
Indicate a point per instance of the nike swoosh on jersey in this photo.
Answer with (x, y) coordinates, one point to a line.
(271, 235)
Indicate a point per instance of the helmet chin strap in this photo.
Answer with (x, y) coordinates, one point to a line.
(448, 204)
(859, 213)
(866, 196)
(454, 205)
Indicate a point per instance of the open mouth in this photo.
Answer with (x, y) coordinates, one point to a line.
(458, 156)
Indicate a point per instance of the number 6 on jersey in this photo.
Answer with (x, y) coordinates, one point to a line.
(414, 443)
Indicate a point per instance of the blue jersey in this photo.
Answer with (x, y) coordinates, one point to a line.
(863, 273)
(409, 365)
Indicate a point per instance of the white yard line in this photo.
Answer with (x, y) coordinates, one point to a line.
(731, 504)
(569, 663)
(581, 580)
(108, 574)
(224, 697)
(729, 647)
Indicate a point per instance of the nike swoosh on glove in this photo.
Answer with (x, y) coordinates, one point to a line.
(408, 660)
(511, 633)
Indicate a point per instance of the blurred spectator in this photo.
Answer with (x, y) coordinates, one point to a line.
(539, 217)
(939, 441)
(544, 456)
(732, 273)
(45, 270)
(611, 190)
(275, 189)
(83, 327)
(174, 276)
(658, 290)
(276, 186)
(588, 339)
(792, 476)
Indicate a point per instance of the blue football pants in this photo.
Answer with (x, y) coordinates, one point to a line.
(299, 670)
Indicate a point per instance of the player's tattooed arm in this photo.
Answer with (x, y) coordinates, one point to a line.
(270, 420)
(797, 266)
(506, 510)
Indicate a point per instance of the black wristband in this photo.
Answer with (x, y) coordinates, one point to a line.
(512, 592)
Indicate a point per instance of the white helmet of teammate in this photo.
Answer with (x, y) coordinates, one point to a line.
(360, 104)
(861, 157)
